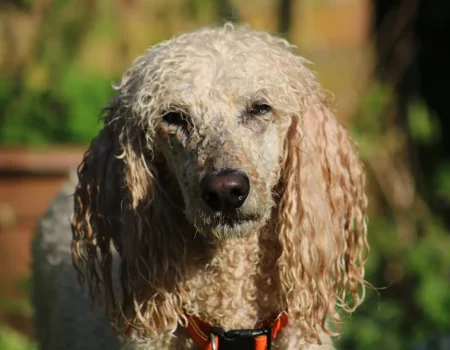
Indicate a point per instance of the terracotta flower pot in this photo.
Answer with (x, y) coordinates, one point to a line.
(29, 180)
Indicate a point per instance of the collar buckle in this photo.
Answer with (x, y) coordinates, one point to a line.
(239, 338)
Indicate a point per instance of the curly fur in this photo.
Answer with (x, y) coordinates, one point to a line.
(300, 243)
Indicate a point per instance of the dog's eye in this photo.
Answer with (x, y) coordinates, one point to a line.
(176, 119)
(259, 109)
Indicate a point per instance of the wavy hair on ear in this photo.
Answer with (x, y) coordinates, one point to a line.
(322, 215)
(121, 202)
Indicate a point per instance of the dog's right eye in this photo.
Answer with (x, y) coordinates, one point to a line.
(259, 109)
(176, 119)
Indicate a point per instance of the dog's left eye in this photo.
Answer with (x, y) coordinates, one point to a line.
(259, 109)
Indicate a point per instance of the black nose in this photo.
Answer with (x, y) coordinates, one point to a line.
(225, 191)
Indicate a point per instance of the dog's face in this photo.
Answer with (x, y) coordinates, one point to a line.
(223, 144)
(225, 156)
(221, 126)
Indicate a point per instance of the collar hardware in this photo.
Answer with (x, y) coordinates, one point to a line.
(239, 338)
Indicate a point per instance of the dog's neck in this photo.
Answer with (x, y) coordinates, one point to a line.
(238, 284)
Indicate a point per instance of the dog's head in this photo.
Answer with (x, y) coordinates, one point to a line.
(218, 132)
(216, 107)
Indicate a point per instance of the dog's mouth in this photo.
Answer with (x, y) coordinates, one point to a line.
(233, 219)
(224, 225)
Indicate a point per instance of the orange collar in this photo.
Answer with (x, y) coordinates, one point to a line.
(202, 333)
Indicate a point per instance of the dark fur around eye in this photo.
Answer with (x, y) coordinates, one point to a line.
(259, 109)
(176, 118)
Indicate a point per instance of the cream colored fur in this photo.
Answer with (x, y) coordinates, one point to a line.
(301, 245)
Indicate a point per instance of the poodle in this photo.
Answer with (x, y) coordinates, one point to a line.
(222, 206)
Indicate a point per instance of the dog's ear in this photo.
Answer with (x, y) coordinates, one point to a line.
(322, 218)
(119, 202)
(95, 223)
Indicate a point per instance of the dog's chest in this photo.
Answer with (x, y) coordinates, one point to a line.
(238, 287)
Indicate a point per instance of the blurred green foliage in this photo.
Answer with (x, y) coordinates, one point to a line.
(52, 99)
(16, 306)
(423, 126)
(64, 113)
(13, 340)
(409, 265)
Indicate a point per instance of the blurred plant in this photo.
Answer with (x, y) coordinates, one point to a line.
(64, 113)
(51, 100)
(284, 17)
(410, 246)
(13, 340)
(423, 127)
(13, 305)
(223, 10)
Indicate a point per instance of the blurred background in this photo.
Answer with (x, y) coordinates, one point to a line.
(386, 61)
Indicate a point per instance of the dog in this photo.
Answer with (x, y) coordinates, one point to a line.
(222, 206)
